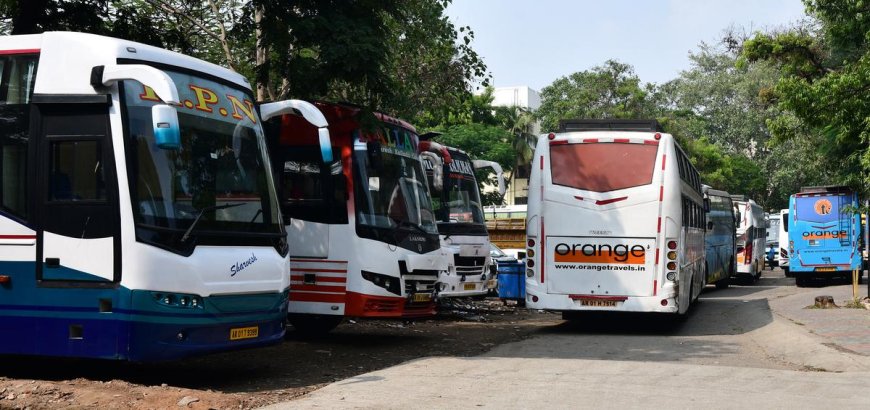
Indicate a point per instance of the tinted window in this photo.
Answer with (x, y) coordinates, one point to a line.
(602, 167)
(17, 78)
(76, 171)
(785, 222)
(311, 190)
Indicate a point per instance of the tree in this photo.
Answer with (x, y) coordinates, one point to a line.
(482, 141)
(825, 78)
(611, 90)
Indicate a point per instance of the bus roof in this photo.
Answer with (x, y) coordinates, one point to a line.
(609, 125)
(66, 59)
(710, 191)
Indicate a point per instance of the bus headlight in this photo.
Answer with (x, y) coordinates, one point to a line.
(178, 300)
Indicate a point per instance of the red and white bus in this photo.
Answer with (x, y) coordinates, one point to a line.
(362, 234)
(615, 220)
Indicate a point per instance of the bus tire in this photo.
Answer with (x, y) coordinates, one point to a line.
(723, 283)
(787, 272)
(800, 281)
(314, 325)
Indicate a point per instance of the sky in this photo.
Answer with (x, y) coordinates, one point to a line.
(534, 42)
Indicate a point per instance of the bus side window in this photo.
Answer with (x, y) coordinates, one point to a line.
(17, 78)
(76, 171)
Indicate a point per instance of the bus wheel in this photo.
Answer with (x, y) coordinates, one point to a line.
(723, 283)
(314, 325)
(800, 281)
(787, 272)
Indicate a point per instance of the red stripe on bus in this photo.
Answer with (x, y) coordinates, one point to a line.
(651, 142)
(17, 236)
(21, 51)
(622, 140)
(664, 159)
(660, 225)
(320, 278)
(579, 198)
(316, 260)
(610, 201)
(661, 193)
(655, 286)
(318, 270)
(316, 297)
(657, 256)
(543, 247)
(317, 288)
(542, 162)
(591, 140)
(560, 142)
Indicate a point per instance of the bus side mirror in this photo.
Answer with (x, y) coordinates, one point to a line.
(433, 163)
(499, 173)
(709, 225)
(310, 113)
(164, 122)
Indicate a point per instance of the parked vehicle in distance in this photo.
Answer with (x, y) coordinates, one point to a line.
(771, 251)
(783, 255)
(459, 212)
(499, 257)
(751, 235)
(823, 233)
(362, 232)
(139, 215)
(719, 240)
(615, 220)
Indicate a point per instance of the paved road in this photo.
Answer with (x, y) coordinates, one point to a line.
(734, 350)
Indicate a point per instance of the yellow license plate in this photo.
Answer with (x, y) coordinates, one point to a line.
(826, 269)
(490, 284)
(244, 333)
(422, 297)
(597, 303)
(469, 286)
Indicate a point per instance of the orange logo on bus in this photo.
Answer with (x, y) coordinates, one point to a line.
(823, 207)
(601, 253)
(825, 235)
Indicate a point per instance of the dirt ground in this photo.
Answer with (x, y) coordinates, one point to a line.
(253, 378)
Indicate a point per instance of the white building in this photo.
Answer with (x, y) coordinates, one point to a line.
(524, 97)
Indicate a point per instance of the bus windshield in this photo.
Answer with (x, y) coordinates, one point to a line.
(602, 167)
(459, 201)
(220, 175)
(391, 190)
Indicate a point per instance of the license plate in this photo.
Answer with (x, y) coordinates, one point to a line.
(422, 297)
(826, 269)
(470, 286)
(597, 303)
(244, 333)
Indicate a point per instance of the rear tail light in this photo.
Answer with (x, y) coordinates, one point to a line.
(672, 244)
(783, 253)
(748, 254)
(530, 263)
(672, 266)
(672, 261)
(531, 243)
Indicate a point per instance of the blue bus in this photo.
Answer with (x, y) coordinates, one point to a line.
(823, 235)
(719, 240)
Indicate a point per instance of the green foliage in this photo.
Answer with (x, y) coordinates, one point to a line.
(611, 90)
(482, 141)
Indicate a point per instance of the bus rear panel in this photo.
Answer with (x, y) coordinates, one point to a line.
(823, 233)
(612, 225)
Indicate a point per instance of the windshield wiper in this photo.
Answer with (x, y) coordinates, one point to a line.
(201, 213)
(413, 225)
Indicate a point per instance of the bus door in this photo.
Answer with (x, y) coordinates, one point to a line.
(76, 198)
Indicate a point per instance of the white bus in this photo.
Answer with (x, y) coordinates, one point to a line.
(459, 211)
(138, 215)
(782, 254)
(751, 235)
(615, 220)
(363, 236)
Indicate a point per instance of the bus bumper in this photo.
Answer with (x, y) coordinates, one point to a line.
(226, 322)
(386, 307)
(452, 286)
(663, 303)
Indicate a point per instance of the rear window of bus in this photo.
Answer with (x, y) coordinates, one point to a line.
(602, 167)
